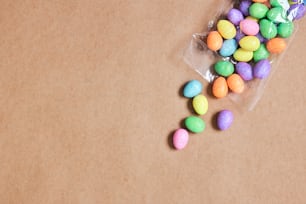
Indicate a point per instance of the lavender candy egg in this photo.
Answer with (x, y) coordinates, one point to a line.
(235, 16)
(239, 35)
(261, 38)
(244, 7)
(262, 69)
(225, 119)
(244, 70)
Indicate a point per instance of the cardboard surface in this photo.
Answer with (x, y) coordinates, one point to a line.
(89, 98)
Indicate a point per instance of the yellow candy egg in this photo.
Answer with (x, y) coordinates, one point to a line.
(226, 29)
(243, 55)
(249, 43)
(252, 18)
(200, 104)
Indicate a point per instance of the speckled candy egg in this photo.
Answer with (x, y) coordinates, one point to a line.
(262, 69)
(235, 16)
(225, 119)
(249, 27)
(180, 138)
(192, 88)
(244, 70)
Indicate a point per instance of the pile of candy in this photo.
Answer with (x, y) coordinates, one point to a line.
(253, 31)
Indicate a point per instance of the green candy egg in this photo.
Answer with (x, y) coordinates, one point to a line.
(277, 15)
(224, 68)
(267, 29)
(279, 3)
(285, 30)
(194, 124)
(261, 53)
(258, 10)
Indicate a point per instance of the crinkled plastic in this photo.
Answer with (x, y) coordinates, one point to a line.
(201, 59)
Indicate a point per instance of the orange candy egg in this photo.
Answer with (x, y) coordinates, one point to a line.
(235, 83)
(276, 45)
(214, 41)
(219, 87)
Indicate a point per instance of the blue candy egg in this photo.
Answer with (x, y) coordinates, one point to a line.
(192, 88)
(228, 48)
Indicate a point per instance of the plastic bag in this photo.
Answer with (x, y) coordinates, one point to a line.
(201, 59)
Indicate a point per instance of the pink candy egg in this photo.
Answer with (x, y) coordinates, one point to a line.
(249, 27)
(180, 138)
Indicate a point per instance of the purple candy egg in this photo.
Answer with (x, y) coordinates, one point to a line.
(224, 119)
(239, 35)
(261, 38)
(235, 16)
(296, 11)
(262, 69)
(244, 70)
(244, 7)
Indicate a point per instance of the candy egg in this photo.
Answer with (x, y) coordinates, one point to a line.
(277, 15)
(249, 43)
(194, 124)
(261, 53)
(239, 35)
(279, 3)
(260, 1)
(262, 69)
(242, 55)
(214, 41)
(200, 104)
(226, 29)
(252, 18)
(244, 70)
(244, 7)
(276, 45)
(261, 38)
(228, 48)
(180, 138)
(219, 87)
(285, 30)
(249, 27)
(224, 68)
(267, 29)
(235, 16)
(225, 119)
(258, 10)
(235, 83)
(192, 88)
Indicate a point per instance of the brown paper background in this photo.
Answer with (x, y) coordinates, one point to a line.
(89, 97)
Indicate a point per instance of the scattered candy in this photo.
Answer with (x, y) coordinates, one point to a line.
(261, 53)
(214, 41)
(267, 29)
(219, 87)
(276, 45)
(192, 88)
(258, 10)
(224, 119)
(249, 43)
(285, 30)
(235, 83)
(224, 68)
(228, 48)
(235, 16)
(180, 138)
(262, 69)
(249, 27)
(200, 104)
(194, 124)
(226, 29)
(242, 55)
(244, 70)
